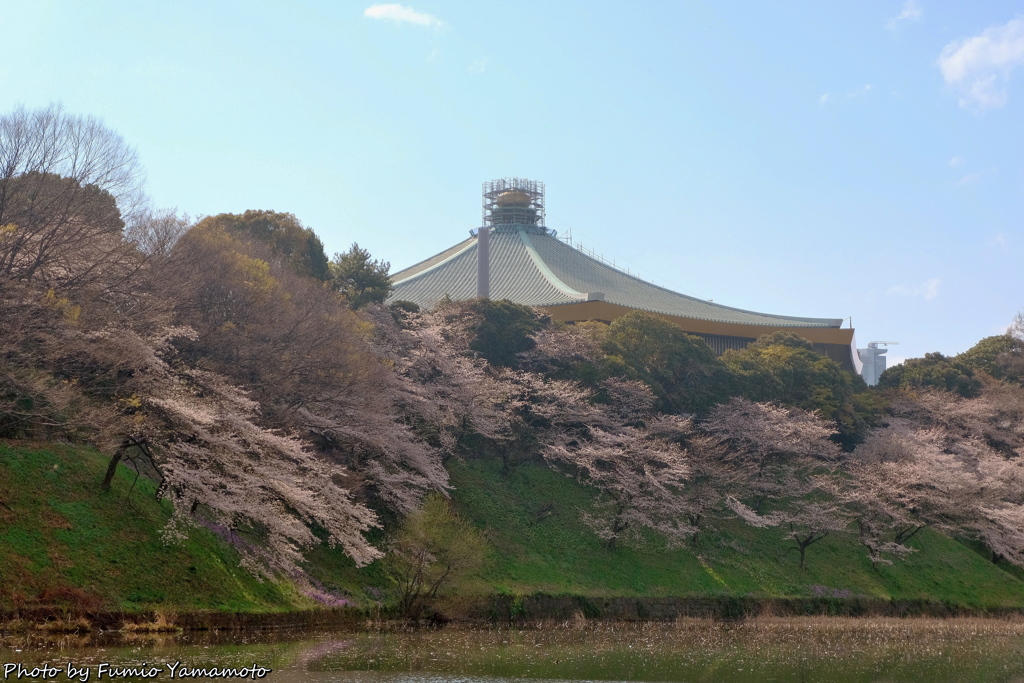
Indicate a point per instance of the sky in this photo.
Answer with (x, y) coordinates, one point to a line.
(857, 160)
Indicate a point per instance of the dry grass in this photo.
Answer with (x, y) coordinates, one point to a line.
(163, 622)
(15, 626)
(66, 625)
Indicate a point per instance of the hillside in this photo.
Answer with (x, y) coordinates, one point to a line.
(65, 544)
(540, 545)
(68, 546)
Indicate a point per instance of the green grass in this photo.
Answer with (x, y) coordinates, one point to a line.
(65, 543)
(532, 518)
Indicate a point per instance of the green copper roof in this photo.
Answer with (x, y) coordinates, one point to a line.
(536, 269)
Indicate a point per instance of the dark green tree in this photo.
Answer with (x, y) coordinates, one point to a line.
(681, 369)
(503, 330)
(1001, 356)
(783, 367)
(360, 279)
(934, 371)
(282, 233)
(405, 306)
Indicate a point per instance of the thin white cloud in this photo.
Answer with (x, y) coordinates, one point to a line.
(972, 178)
(928, 290)
(956, 161)
(477, 66)
(402, 14)
(911, 12)
(828, 98)
(999, 241)
(979, 67)
(859, 92)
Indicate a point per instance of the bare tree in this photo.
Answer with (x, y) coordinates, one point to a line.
(67, 184)
(1016, 329)
(1011, 363)
(155, 232)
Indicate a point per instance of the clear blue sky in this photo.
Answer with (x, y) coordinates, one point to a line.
(824, 159)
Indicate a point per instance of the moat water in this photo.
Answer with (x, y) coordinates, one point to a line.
(813, 649)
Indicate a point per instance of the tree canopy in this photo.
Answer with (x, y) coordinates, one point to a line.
(272, 411)
(67, 186)
(282, 233)
(433, 554)
(1001, 356)
(784, 367)
(933, 371)
(360, 279)
(503, 330)
(681, 369)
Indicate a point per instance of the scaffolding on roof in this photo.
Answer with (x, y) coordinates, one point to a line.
(513, 201)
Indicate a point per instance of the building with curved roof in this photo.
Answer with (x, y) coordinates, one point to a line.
(514, 256)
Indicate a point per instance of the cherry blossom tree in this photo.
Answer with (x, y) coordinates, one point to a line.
(788, 461)
(902, 482)
(945, 462)
(776, 448)
(560, 351)
(711, 479)
(639, 476)
(312, 363)
(266, 490)
(640, 480)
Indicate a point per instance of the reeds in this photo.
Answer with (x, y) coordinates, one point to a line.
(163, 622)
(66, 625)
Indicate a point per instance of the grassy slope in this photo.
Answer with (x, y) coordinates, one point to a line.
(557, 554)
(62, 540)
(61, 537)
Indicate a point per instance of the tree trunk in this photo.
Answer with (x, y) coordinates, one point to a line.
(112, 469)
(906, 533)
(695, 521)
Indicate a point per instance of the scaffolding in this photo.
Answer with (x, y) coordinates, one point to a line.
(514, 202)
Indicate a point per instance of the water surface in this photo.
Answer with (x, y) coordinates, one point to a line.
(812, 649)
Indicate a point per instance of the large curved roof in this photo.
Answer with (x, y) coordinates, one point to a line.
(536, 269)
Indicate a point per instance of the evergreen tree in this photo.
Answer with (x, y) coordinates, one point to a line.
(360, 279)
